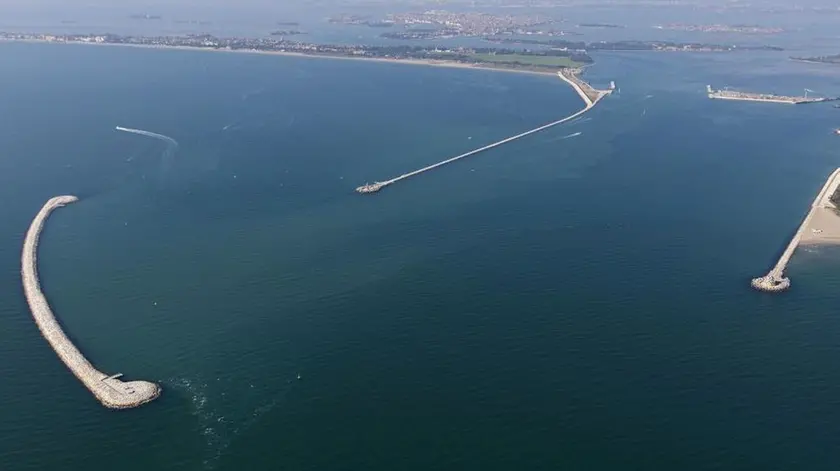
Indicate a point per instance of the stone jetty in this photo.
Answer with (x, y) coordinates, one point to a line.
(109, 389)
(587, 93)
(775, 280)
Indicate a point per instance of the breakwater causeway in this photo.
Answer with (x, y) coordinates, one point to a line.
(775, 280)
(109, 389)
(589, 95)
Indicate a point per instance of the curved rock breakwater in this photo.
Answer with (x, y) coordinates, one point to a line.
(110, 391)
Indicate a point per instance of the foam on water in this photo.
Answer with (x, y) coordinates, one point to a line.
(563, 138)
(226, 411)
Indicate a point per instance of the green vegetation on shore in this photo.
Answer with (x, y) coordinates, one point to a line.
(527, 60)
(835, 198)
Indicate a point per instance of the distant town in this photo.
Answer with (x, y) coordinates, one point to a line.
(442, 24)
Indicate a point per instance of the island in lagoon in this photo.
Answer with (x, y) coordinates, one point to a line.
(600, 25)
(359, 20)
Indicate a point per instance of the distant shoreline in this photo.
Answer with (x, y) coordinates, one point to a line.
(423, 62)
(815, 60)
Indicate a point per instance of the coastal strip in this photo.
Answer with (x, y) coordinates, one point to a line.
(384, 54)
(775, 280)
(109, 389)
(588, 94)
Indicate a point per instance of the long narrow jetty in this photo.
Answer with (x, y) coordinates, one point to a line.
(589, 95)
(110, 391)
(775, 280)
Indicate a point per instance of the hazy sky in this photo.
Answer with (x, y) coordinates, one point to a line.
(299, 4)
(29, 12)
(193, 8)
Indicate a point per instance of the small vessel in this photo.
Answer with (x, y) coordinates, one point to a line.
(837, 131)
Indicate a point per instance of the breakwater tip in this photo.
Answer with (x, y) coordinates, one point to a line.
(109, 390)
(771, 284)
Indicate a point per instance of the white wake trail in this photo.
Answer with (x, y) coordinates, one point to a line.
(563, 138)
(148, 134)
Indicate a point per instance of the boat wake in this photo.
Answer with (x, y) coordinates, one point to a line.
(221, 419)
(252, 93)
(166, 157)
(149, 134)
(563, 138)
(580, 121)
(234, 125)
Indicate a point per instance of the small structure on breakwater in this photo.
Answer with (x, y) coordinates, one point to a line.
(109, 389)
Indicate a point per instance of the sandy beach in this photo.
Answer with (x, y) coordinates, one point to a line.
(824, 227)
(427, 63)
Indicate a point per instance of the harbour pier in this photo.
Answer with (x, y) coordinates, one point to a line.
(775, 280)
(109, 389)
(764, 97)
(588, 94)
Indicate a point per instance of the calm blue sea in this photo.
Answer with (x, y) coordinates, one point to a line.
(576, 302)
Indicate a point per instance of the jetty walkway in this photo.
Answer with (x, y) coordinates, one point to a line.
(775, 280)
(589, 95)
(110, 391)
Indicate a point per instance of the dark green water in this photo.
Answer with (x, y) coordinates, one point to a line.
(578, 303)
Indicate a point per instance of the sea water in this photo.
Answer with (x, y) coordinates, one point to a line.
(555, 303)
